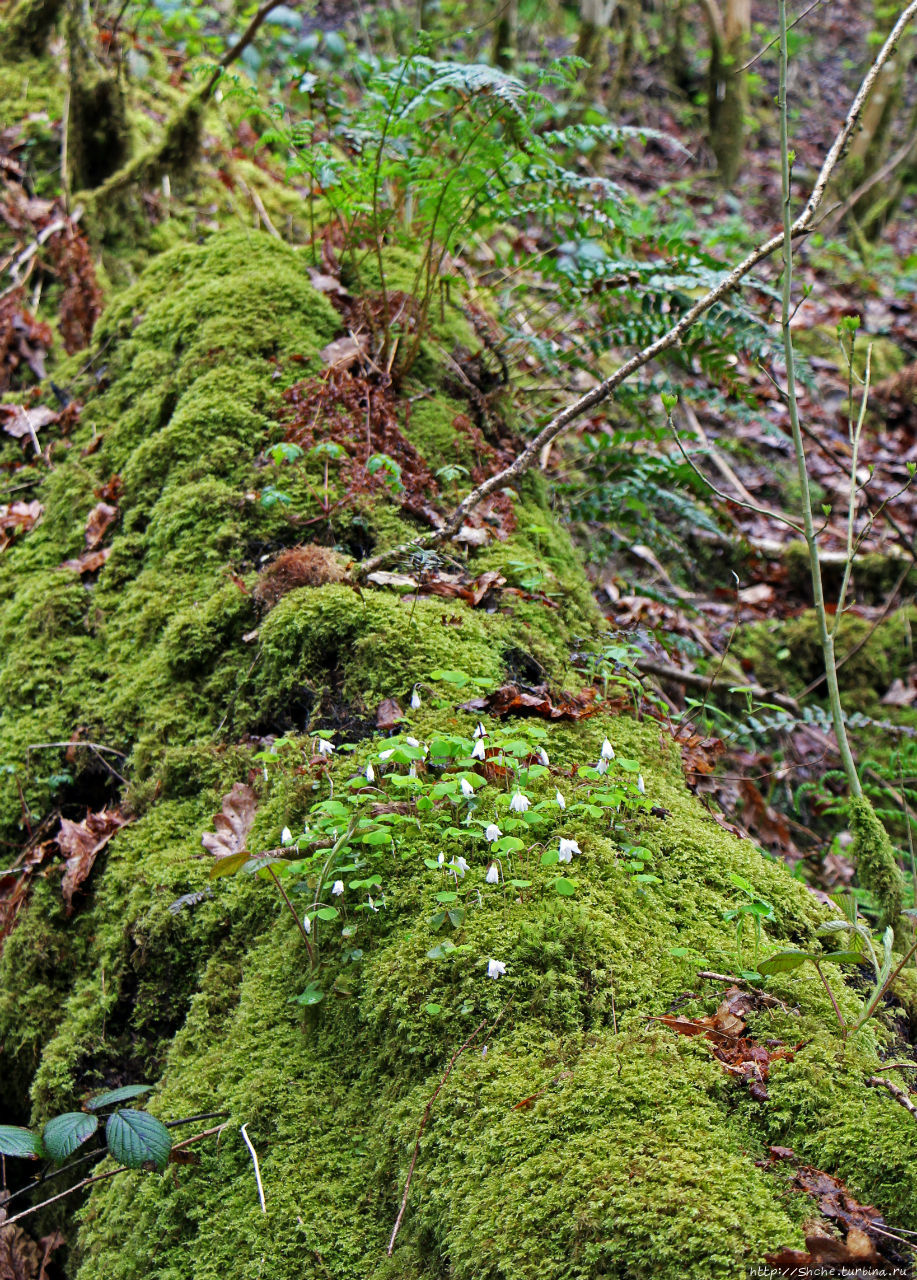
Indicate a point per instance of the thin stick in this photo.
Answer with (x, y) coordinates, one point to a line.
(295, 914)
(248, 1143)
(879, 1082)
(423, 1124)
(529, 456)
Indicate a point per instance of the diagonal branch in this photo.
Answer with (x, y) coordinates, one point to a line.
(525, 460)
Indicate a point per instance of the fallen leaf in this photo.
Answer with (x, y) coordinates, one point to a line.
(98, 522)
(856, 1258)
(81, 842)
(343, 353)
(88, 561)
(389, 714)
(17, 517)
(232, 823)
(901, 694)
(724, 1029)
(381, 578)
(472, 537)
(511, 699)
(20, 422)
(21, 1257)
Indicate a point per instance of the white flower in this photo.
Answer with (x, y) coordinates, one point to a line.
(480, 731)
(559, 800)
(440, 858)
(641, 785)
(467, 789)
(372, 906)
(519, 803)
(415, 699)
(477, 751)
(325, 747)
(264, 771)
(493, 874)
(543, 756)
(286, 836)
(492, 832)
(495, 968)
(412, 742)
(460, 865)
(307, 924)
(567, 850)
(370, 774)
(387, 755)
(608, 751)
(602, 765)
(337, 888)
(412, 772)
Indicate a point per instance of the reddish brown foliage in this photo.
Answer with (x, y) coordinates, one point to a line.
(307, 566)
(82, 842)
(360, 415)
(516, 700)
(24, 341)
(16, 518)
(724, 1031)
(389, 715)
(81, 300)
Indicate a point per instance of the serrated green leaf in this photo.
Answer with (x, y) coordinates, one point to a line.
(63, 1134)
(116, 1095)
(16, 1141)
(136, 1138)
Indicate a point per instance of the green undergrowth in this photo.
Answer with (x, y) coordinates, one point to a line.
(638, 1151)
(640, 1156)
(786, 654)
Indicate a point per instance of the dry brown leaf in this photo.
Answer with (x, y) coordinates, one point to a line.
(17, 517)
(511, 699)
(232, 823)
(21, 423)
(389, 714)
(98, 522)
(344, 353)
(81, 842)
(21, 1257)
(88, 561)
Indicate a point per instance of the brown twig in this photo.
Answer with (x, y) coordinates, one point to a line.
(879, 1082)
(426, 1116)
(529, 456)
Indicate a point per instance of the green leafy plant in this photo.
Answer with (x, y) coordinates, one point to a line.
(134, 1138)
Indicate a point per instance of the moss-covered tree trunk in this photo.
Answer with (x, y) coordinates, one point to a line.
(577, 1136)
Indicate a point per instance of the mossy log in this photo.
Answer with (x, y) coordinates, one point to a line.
(588, 1140)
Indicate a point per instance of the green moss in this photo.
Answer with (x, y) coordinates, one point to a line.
(874, 858)
(787, 654)
(638, 1157)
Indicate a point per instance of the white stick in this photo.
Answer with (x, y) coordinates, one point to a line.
(248, 1143)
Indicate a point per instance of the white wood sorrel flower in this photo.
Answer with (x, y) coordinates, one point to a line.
(477, 751)
(337, 888)
(492, 832)
(467, 789)
(559, 800)
(519, 803)
(608, 751)
(493, 874)
(495, 968)
(325, 747)
(567, 849)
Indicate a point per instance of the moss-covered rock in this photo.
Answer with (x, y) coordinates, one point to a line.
(576, 1136)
